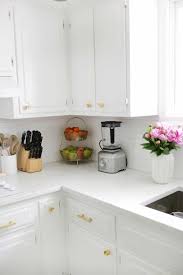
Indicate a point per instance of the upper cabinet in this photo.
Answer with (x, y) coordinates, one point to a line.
(41, 60)
(80, 57)
(121, 42)
(81, 42)
(44, 58)
(110, 61)
(8, 77)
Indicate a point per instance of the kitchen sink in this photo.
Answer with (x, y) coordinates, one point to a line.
(171, 204)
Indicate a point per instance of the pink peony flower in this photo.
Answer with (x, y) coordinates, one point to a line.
(155, 133)
(175, 135)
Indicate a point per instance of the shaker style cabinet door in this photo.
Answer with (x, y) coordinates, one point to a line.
(88, 255)
(130, 265)
(8, 78)
(109, 25)
(81, 41)
(19, 255)
(44, 58)
(52, 236)
(7, 40)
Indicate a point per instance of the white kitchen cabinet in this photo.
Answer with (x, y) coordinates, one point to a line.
(44, 58)
(110, 59)
(81, 43)
(146, 245)
(8, 77)
(131, 265)
(41, 61)
(122, 42)
(89, 255)
(52, 236)
(19, 254)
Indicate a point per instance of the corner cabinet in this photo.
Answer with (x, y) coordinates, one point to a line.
(81, 56)
(110, 59)
(114, 57)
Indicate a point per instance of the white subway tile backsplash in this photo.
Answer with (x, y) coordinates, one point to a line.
(131, 138)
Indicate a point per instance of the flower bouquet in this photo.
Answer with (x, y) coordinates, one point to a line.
(161, 139)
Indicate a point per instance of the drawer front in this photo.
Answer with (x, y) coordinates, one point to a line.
(93, 220)
(17, 217)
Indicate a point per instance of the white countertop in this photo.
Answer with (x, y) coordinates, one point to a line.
(129, 190)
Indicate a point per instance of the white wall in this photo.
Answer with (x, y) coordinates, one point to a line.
(131, 138)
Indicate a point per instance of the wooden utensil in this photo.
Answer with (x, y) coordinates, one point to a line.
(14, 148)
(6, 147)
(14, 144)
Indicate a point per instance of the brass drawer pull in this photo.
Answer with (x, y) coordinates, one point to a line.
(85, 218)
(89, 105)
(7, 225)
(107, 252)
(51, 209)
(100, 104)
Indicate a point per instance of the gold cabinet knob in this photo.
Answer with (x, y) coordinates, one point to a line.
(85, 218)
(100, 104)
(107, 252)
(51, 209)
(88, 105)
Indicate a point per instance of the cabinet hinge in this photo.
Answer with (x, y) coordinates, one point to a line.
(126, 101)
(12, 62)
(125, 3)
(120, 260)
(63, 24)
(9, 15)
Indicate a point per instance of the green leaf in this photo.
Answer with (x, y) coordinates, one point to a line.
(166, 151)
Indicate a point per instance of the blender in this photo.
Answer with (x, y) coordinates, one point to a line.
(111, 158)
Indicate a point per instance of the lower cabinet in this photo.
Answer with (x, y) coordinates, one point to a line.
(19, 254)
(89, 255)
(52, 237)
(131, 265)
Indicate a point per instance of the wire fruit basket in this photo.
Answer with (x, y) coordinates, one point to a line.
(75, 133)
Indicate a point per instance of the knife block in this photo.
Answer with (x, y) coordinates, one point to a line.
(34, 165)
(26, 164)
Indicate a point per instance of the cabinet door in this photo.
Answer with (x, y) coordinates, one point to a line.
(88, 255)
(7, 40)
(44, 57)
(109, 24)
(8, 76)
(130, 265)
(81, 40)
(52, 237)
(19, 255)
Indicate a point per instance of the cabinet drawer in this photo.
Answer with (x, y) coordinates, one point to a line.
(17, 217)
(91, 219)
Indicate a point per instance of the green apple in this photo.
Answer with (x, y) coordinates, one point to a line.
(87, 153)
(73, 156)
